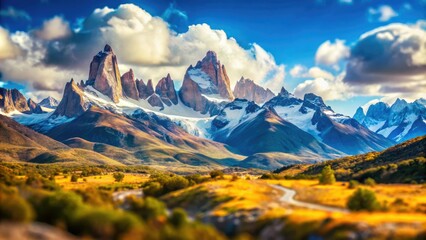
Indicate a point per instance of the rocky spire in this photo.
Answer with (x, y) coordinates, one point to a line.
(208, 77)
(129, 85)
(166, 90)
(13, 99)
(104, 74)
(34, 107)
(247, 89)
(72, 103)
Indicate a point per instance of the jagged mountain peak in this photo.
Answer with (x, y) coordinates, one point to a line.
(248, 89)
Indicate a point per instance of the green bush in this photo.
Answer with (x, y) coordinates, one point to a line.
(15, 208)
(216, 174)
(118, 176)
(327, 176)
(74, 178)
(148, 208)
(154, 189)
(370, 182)
(102, 223)
(58, 207)
(178, 218)
(363, 199)
(175, 183)
(353, 184)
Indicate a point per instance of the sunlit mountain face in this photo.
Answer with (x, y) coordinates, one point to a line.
(166, 119)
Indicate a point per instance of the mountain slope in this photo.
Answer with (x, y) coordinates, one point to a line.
(336, 130)
(251, 129)
(19, 143)
(142, 138)
(404, 162)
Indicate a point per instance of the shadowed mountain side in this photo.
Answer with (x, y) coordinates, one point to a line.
(267, 132)
(141, 137)
(19, 143)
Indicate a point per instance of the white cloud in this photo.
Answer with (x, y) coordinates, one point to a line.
(317, 72)
(298, 71)
(383, 13)
(330, 53)
(141, 41)
(328, 88)
(54, 28)
(7, 48)
(390, 59)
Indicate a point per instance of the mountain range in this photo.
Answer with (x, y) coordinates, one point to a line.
(399, 122)
(202, 125)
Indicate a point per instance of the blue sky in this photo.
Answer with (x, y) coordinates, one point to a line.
(291, 31)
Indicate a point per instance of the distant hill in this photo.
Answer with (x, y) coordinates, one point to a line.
(402, 163)
(21, 144)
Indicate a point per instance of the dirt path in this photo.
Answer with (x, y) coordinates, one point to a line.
(288, 197)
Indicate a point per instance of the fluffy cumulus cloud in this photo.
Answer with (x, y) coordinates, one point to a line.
(390, 59)
(7, 48)
(54, 53)
(55, 28)
(331, 54)
(298, 71)
(383, 13)
(325, 85)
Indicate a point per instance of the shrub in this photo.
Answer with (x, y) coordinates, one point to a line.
(102, 223)
(370, 182)
(15, 208)
(74, 178)
(234, 178)
(327, 176)
(178, 218)
(148, 208)
(353, 184)
(118, 176)
(154, 189)
(216, 174)
(363, 199)
(175, 183)
(57, 207)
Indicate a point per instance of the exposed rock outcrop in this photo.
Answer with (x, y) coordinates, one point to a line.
(34, 107)
(166, 90)
(247, 89)
(72, 103)
(104, 74)
(12, 99)
(6, 102)
(155, 101)
(129, 85)
(145, 90)
(208, 77)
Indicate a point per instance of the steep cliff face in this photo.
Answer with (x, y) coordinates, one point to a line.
(72, 103)
(129, 85)
(207, 79)
(247, 89)
(11, 100)
(104, 75)
(34, 107)
(166, 90)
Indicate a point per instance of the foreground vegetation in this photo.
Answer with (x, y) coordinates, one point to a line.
(81, 200)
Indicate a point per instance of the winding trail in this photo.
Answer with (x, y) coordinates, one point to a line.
(288, 198)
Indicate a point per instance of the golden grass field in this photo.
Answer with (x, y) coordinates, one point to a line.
(412, 195)
(248, 195)
(99, 180)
